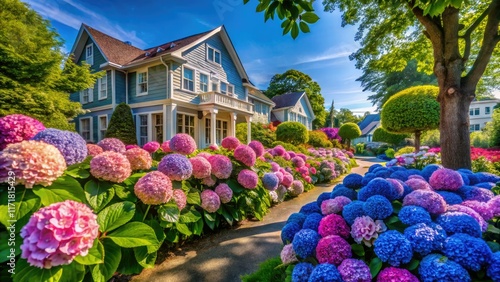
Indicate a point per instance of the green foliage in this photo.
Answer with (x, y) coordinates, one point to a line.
(390, 153)
(360, 148)
(292, 132)
(482, 164)
(318, 138)
(260, 132)
(495, 129)
(270, 270)
(479, 139)
(405, 150)
(349, 131)
(121, 125)
(431, 138)
(382, 135)
(346, 115)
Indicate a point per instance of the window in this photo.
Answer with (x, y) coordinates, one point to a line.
(230, 89)
(213, 55)
(474, 111)
(220, 131)
(86, 96)
(474, 127)
(188, 79)
(158, 128)
(214, 87)
(103, 126)
(207, 131)
(142, 83)
(257, 107)
(103, 87)
(85, 129)
(185, 124)
(143, 129)
(223, 88)
(203, 82)
(89, 54)
(487, 110)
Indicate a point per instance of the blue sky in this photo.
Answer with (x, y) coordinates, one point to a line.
(322, 54)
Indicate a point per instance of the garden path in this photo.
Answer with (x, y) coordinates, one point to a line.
(227, 255)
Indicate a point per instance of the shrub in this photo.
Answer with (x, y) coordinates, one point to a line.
(292, 132)
(495, 133)
(479, 139)
(318, 138)
(431, 138)
(349, 131)
(360, 148)
(260, 132)
(290, 147)
(405, 150)
(121, 125)
(390, 153)
(332, 133)
(382, 135)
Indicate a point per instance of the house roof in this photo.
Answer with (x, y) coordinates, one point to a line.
(260, 96)
(369, 123)
(287, 100)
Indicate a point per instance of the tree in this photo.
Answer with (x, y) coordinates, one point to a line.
(292, 132)
(294, 80)
(412, 110)
(345, 115)
(494, 129)
(455, 39)
(121, 125)
(32, 81)
(331, 120)
(349, 131)
(382, 135)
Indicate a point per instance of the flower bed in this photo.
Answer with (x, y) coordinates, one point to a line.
(398, 224)
(86, 212)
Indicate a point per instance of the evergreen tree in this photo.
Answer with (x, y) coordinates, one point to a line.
(121, 125)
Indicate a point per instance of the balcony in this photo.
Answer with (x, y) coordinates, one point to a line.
(223, 100)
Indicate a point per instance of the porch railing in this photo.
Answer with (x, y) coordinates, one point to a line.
(220, 99)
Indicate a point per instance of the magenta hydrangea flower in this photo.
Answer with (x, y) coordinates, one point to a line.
(354, 270)
(429, 200)
(154, 188)
(182, 143)
(471, 212)
(139, 159)
(205, 155)
(495, 205)
(286, 156)
(481, 208)
(394, 274)
(225, 193)
(94, 150)
(275, 167)
(210, 201)
(333, 249)
(333, 224)
(221, 166)
(110, 166)
(165, 147)
(131, 146)
(288, 254)
(446, 179)
(257, 147)
(245, 154)
(296, 188)
(365, 230)
(201, 167)
(32, 163)
(209, 181)
(335, 205)
(180, 198)
(151, 147)
(230, 143)
(287, 179)
(58, 233)
(279, 151)
(418, 184)
(298, 162)
(71, 145)
(280, 176)
(176, 166)
(213, 147)
(112, 144)
(16, 128)
(248, 178)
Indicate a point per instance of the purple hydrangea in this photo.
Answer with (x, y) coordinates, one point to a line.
(425, 238)
(429, 200)
(112, 144)
(257, 147)
(288, 255)
(210, 201)
(394, 274)
(270, 181)
(176, 166)
(411, 215)
(245, 155)
(378, 207)
(354, 270)
(298, 162)
(393, 247)
(248, 179)
(436, 267)
(325, 272)
(70, 144)
(470, 252)
(459, 222)
(428, 170)
(333, 224)
(478, 194)
(287, 179)
(182, 143)
(418, 184)
(494, 204)
(305, 242)
(471, 212)
(221, 166)
(230, 143)
(335, 205)
(481, 208)
(225, 193)
(446, 179)
(275, 167)
(16, 128)
(279, 150)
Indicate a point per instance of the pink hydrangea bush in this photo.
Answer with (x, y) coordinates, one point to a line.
(225, 193)
(165, 147)
(16, 128)
(230, 143)
(180, 198)
(365, 230)
(221, 166)
(139, 159)
(151, 147)
(201, 167)
(112, 144)
(94, 150)
(210, 201)
(58, 233)
(110, 166)
(182, 143)
(154, 188)
(257, 147)
(446, 179)
(245, 155)
(248, 179)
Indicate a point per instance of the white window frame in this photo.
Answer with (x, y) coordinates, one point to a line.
(220, 130)
(228, 86)
(138, 83)
(472, 112)
(139, 125)
(89, 59)
(90, 131)
(487, 110)
(183, 126)
(203, 87)
(90, 96)
(213, 51)
(103, 87)
(101, 129)
(193, 81)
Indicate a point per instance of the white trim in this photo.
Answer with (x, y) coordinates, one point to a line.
(99, 129)
(143, 70)
(90, 97)
(150, 124)
(101, 108)
(99, 85)
(194, 79)
(91, 131)
(195, 122)
(113, 89)
(90, 62)
(214, 51)
(199, 81)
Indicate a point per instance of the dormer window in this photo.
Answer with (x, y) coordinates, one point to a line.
(89, 54)
(213, 55)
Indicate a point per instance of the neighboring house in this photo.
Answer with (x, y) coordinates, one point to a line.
(195, 85)
(293, 106)
(262, 106)
(480, 113)
(367, 126)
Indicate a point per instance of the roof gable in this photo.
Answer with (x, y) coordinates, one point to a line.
(367, 121)
(287, 100)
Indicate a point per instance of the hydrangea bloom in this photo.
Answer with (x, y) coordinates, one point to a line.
(93, 150)
(128, 147)
(201, 167)
(288, 255)
(298, 218)
(354, 270)
(275, 167)
(471, 212)
(154, 188)
(487, 177)
(325, 272)
(378, 207)
(182, 143)
(481, 208)
(333, 249)
(378, 186)
(248, 178)
(209, 181)
(425, 238)
(213, 147)
(230, 143)
(245, 155)
(341, 190)
(450, 198)
(279, 150)
(257, 147)
(304, 242)
(221, 166)
(393, 247)
(494, 204)
(32, 162)
(270, 181)
(353, 181)
(365, 230)
(225, 193)
(494, 269)
(400, 174)
(302, 271)
(70, 144)
(310, 208)
(298, 162)
(418, 184)
(353, 210)
(180, 198)
(335, 205)
(288, 232)
(312, 221)
(333, 224)
(296, 188)
(471, 253)
(58, 233)
(428, 170)
(459, 222)
(429, 200)
(176, 166)
(210, 201)
(394, 274)
(435, 267)
(151, 147)
(205, 155)
(16, 128)
(287, 180)
(411, 215)
(165, 147)
(446, 179)
(139, 159)
(112, 144)
(110, 166)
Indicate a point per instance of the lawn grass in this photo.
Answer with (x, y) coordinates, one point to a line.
(268, 272)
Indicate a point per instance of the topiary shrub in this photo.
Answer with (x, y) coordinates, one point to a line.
(349, 131)
(292, 132)
(382, 135)
(318, 138)
(260, 132)
(360, 148)
(121, 125)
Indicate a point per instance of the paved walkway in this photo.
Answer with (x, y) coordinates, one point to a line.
(225, 256)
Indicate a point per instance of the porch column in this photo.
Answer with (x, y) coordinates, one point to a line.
(213, 124)
(249, 128)
(234, 116)
(170, 121)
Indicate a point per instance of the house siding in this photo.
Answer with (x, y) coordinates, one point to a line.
(120, 87)
(98, 57)
(157, 85)
(305, 108)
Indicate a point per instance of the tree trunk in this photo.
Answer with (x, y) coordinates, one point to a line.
(348, 144)
(417, 141)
